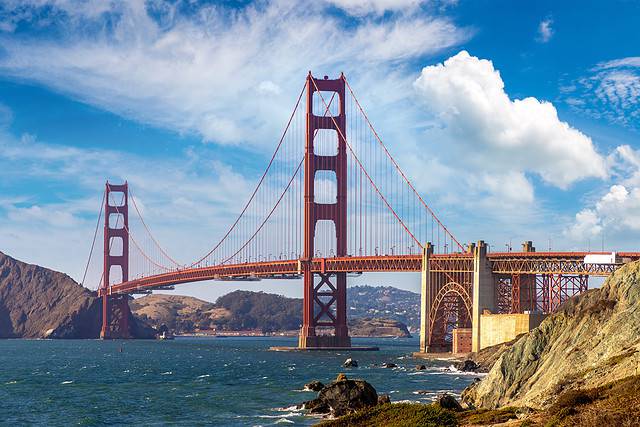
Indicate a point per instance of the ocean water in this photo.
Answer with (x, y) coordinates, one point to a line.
(194, 381)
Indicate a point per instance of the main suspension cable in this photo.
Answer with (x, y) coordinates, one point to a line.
(93, 243)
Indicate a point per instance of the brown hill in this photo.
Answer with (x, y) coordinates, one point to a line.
(243, 310)
(36, 302)
(181, 314)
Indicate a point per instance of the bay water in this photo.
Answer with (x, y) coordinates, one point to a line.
(196, 381)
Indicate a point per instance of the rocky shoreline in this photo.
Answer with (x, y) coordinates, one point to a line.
(581, 366)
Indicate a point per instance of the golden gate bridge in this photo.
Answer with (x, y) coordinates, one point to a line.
(333, 201)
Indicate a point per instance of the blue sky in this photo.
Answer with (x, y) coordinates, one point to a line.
(517, 120)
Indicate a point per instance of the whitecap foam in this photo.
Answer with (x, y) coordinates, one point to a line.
(66, 382)
(12, 382)
(167, 373)
(288, 414)
(203, 376)
(293, 408)
(284, 421)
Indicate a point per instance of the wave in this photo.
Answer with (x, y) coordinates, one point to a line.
(66, 382)
(289, 414)
(293, 408)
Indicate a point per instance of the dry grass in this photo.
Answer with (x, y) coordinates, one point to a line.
(614, 404)
(480, 417)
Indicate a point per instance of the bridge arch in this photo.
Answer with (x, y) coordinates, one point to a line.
(451, 308)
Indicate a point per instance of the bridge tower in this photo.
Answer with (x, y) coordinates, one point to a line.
(115, 308)
(325, 303)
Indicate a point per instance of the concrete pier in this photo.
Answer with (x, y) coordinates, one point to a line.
(425, 297)
(484, 297)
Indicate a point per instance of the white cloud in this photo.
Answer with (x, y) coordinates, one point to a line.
(618, 211)
(586, 226)
(620, 89)
(184, 195)
(632, 61)
(205, 72)
(512, 186)
(545, 30)
(365, 7)
(489, 132)
(615, 214)
(611, 91)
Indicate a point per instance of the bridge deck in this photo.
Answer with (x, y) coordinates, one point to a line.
(570, 263)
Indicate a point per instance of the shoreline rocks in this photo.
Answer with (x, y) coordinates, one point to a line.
(314, 386)
(344, 396)
(350, 363)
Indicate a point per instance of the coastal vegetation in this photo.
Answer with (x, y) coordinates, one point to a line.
(397, 415)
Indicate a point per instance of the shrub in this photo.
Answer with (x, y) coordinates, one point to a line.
(397, 415)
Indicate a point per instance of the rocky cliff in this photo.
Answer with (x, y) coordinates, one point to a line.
(592, 340)
(36, 302)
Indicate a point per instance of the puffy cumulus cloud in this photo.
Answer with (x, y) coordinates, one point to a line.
(230, 75)
(489, 131)
(512, 186)
(610, 91)
(618, 211)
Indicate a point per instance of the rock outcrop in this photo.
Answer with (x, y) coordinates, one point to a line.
(36, 302)
(592, 340)
(342, 397)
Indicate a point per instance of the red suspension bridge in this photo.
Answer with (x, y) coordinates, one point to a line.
(333, 201)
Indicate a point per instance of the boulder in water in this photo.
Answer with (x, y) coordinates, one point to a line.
(350, 363)
(316, 406)
(420, 367)
(314, 386)
(389, 365)
(468, 366)
(342, 397)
